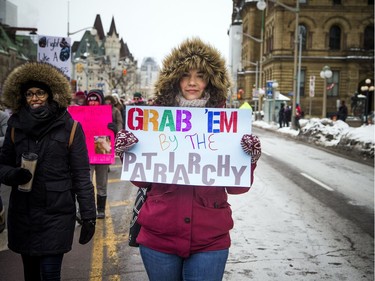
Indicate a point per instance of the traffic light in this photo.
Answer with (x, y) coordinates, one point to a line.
(124, 72)
(79, 67)
(73, 85)
(239, 94)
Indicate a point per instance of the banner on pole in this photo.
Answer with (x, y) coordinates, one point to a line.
(188, 146)
(55, 51)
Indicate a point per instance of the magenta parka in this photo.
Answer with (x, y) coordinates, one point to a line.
(184, 219)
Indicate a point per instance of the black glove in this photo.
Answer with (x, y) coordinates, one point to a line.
(87, 231)
(17, 176)
(112, 127)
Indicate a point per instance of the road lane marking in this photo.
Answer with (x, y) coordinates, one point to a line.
(264, 152)
(114, 180)
(106, 241)
(318, 182)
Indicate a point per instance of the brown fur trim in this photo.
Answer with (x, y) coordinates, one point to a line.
(193, 54)
(48, 74)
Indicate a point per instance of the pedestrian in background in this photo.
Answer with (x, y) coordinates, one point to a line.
(116, 114)
(298, 116)
(119, 104)
(3, 128)
(342, 114)
(80, 98)
(96, 98)
(138, 99)
(184, 231)
(287, 115)
(282, 115)
(41, 222)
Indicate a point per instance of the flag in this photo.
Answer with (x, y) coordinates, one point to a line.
(330, 87)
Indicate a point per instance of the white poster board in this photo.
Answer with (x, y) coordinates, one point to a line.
(55, 51)
(188, 146)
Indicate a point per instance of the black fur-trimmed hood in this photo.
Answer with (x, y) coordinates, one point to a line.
(193, 54)
(48, 74)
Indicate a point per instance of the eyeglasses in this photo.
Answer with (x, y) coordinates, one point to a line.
(40, 94)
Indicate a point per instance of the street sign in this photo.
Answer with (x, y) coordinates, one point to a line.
(312, 86)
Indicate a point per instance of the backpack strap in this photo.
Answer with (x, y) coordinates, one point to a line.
(72, 132)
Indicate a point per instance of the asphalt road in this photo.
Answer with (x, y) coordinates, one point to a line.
(288, 227)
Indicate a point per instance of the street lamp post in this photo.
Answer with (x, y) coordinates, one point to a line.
(325, 73)
(93, 30)
(366, 89)
(262, 3)
(275, 85)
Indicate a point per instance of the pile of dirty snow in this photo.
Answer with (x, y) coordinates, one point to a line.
(338, 135)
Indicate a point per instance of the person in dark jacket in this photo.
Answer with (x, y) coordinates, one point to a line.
(342, 114)
(41, 222)
(185, 228)
(282, 115)
(287, 115)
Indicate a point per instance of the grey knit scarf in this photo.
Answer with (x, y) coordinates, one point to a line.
(192, 103)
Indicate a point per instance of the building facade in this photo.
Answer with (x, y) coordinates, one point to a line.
(334, 33)
(149, 72)
(8, 13)
(103, 61)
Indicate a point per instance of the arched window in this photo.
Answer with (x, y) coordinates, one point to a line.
(303, 33)
(335, 38)
(368, 40)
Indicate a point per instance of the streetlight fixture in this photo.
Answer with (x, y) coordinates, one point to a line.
(263, 4)
(92, 29)
(325, 73)
(366, 89)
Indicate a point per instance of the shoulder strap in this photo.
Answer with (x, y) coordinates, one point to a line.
(12, 134)
(72, 132)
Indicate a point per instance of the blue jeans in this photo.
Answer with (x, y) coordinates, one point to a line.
(42, 268)
(207, 266)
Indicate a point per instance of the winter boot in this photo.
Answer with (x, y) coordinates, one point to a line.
(100, 206)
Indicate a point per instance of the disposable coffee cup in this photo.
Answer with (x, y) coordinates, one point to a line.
(28, 162)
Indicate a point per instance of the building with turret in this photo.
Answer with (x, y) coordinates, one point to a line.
(103, 61)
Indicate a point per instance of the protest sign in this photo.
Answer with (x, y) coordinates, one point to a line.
(55, 51)
(188, 146)
(99, 139)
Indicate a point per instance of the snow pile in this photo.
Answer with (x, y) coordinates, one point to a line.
(324, 131)
(338, 135)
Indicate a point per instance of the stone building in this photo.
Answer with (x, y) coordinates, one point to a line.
(149, 73)
(334, 33)
(103, 61)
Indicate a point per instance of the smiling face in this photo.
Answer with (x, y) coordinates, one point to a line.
(36, 97)
(192, 84)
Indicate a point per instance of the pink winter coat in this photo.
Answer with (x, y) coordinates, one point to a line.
(185, 219)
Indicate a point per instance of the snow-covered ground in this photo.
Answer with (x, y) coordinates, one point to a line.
(338, 135)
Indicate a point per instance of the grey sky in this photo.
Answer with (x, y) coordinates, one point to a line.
(149, 27)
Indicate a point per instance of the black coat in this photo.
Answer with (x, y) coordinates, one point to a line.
(42, 221)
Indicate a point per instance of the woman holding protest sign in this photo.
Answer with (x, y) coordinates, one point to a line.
(184, 231)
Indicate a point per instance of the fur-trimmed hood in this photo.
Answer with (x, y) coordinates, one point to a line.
(58, 83)
(193, 54)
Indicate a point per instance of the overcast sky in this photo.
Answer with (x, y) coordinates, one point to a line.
(149, 27)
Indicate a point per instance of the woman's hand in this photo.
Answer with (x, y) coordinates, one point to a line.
(125, 140)
(251, 146)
